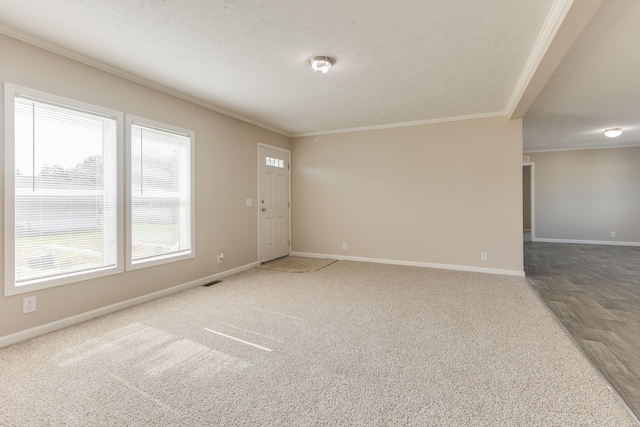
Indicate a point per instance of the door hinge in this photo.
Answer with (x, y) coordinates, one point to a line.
(289, 203)
(288, 165)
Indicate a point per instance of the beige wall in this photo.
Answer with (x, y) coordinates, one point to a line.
(226, 165)
(587, 194)
(435, 194)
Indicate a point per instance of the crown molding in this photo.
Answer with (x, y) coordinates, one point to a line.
(597, 147)
(566, 20)
(550, 28)
(404, 124)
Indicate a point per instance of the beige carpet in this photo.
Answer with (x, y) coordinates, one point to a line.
(353, 344)
(295, 264)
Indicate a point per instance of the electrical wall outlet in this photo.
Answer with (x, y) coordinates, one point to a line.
(28, 304)
(220, 257)
(613, 234)
(344, 246)
(484, 256)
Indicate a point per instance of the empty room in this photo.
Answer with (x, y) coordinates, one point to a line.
(313, 213)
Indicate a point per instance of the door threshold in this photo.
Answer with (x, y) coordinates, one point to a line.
(274, 260)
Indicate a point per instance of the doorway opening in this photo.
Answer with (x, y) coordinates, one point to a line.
(528, 202)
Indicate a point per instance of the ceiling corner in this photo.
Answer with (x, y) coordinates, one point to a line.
(565, 22)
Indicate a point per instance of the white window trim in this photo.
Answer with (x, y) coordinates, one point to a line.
(10, 288)
(168, 258)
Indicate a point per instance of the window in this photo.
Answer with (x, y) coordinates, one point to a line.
(62, 202)
(273, 162)
(64, 216)
(160, 204)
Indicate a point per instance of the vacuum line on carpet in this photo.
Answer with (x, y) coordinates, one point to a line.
(238, 339)
(144, 394)
(270, 312)
(250, 331)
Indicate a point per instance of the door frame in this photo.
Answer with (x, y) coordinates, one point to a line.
(259, 165)
(532, 192)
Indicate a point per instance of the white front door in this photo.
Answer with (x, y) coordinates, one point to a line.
(273, 203)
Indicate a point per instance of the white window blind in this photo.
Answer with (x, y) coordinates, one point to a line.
(64, 200)
(161, 194)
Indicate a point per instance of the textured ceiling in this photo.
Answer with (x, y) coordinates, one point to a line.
(596, 86)
(397, 62)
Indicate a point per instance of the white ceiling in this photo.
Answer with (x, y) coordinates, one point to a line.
(397, 62)
(595, 87)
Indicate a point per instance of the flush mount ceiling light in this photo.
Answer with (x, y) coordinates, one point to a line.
(613, 132)
(321, 63)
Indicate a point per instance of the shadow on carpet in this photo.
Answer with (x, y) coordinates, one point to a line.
(294, 264)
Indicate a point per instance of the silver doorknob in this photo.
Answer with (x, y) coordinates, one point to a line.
(264, 209)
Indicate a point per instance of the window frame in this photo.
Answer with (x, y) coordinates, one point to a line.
(12, 91)
(130, 264)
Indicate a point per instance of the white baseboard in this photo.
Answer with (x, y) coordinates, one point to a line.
(413, 264)
(63, 323)
(585, 242)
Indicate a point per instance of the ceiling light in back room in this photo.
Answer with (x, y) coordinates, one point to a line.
(321, 63)
(613, 132)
